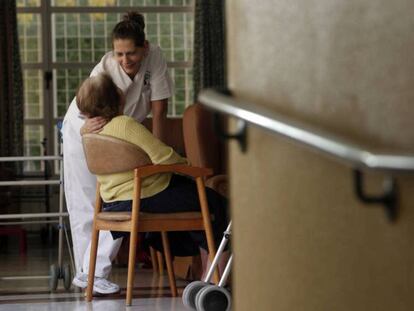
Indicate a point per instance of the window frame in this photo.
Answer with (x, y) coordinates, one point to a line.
(47, 66)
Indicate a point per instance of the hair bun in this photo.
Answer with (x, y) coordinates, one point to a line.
(135, 18)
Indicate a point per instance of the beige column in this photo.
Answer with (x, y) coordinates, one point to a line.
(302, 240)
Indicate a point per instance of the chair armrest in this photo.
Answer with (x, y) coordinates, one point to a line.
(192, 171)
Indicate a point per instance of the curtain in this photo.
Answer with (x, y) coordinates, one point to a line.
(11, 84)
(209, 69)
(209, 45)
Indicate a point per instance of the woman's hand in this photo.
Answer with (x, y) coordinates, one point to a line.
(93, 125)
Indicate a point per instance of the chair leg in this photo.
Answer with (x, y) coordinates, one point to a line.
(207, 226)
(131, 267)
(211, 255)
(168, 261)
(153, 259)
(92, 264)
(160, 260)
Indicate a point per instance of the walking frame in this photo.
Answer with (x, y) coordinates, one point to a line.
(59, 271)
(204, 296)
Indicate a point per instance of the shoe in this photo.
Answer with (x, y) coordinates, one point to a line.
(103, 286)
(100, 285)
(80, 280)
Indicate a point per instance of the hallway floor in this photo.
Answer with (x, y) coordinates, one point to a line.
(151, 291)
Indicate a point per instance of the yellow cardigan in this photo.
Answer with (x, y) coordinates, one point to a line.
(119, 187)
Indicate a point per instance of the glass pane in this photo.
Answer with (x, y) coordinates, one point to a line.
(30, 39)
(33, 136)
(85, 37)
(173, 32)
(66, 82)
(27, 3)
(183, 95)
(33, 94)
(82, 37)
(132, 3)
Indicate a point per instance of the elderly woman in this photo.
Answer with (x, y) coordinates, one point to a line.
(161, 193)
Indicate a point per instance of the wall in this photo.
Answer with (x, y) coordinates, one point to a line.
(302, 240)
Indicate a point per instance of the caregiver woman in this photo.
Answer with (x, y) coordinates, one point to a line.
(140, 71)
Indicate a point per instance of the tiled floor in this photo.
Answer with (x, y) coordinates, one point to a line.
(141, 304)
(151, 291)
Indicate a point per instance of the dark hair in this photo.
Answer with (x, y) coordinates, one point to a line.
(131, 27)
(99, 96)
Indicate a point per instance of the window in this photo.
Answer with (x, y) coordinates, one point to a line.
(62, 40)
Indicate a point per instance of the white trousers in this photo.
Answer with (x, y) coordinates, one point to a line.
(80, 191)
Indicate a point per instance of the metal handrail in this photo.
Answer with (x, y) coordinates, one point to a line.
(31, 158)
(337, 147)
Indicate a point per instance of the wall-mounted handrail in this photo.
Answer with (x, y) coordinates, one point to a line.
(356, 156)
(340, 148)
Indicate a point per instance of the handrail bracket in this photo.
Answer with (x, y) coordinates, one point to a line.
(240, 135)
(388, 199)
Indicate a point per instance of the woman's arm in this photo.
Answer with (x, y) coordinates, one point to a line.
(159, 118)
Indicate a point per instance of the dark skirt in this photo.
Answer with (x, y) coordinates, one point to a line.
(180, 196)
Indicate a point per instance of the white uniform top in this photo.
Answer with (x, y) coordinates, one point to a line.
(152, 82)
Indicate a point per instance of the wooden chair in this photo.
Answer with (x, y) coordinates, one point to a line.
(106, 155)
(203, 147)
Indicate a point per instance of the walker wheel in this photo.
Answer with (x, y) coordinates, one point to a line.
(190, 293)
(67, 276)
(213, 298)
(54, 276)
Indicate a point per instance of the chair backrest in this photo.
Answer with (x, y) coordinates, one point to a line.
(106, 154)
(202, 146)
(173, 134)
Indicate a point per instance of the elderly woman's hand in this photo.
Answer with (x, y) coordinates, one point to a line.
(93, 125)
